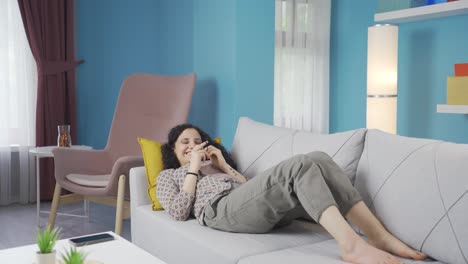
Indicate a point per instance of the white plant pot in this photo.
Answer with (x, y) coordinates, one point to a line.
(48, 258)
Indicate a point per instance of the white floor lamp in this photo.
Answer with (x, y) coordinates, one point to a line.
(382, 76)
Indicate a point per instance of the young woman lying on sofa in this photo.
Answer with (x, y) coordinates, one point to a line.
(200, 178)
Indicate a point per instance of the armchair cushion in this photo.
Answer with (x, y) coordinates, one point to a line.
(154, 165)
(89, 180)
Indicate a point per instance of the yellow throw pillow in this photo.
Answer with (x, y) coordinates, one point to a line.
(152, 157)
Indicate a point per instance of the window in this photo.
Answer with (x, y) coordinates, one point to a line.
(302, 37)
(18, 79)
(18, 85)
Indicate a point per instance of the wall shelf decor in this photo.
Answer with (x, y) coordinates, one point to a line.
(452, 109)
(454, 8)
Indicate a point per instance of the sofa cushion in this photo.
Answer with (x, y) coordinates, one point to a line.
(326, 252)
(168, 238)
(258, 146)
(418, 189)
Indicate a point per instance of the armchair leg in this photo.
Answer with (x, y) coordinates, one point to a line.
(120, 202)
(54, 206)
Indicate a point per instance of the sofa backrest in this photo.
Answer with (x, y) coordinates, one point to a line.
(419, 189)
(258, 146)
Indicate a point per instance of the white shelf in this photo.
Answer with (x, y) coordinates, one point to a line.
(452, 109)
(454, 8)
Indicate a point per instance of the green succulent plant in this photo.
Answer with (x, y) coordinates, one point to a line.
(46, 239)
(73, 256)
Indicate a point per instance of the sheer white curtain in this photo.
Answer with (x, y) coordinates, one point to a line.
(302, 55)
(18, 85)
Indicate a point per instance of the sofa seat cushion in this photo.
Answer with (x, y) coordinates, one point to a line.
(326, 252)
(259, 146)
(183, 242)
(419, 189)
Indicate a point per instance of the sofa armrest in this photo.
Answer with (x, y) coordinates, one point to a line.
(138, 187)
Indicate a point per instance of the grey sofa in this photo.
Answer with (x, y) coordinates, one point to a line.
(417, 187)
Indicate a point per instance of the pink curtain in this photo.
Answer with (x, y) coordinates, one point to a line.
(49, 26)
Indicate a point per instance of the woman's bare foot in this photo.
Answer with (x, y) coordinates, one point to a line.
(389, 243)
(362, 253)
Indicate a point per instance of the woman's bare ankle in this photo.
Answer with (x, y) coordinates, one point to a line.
(349, 245)
(353, 246)
(379, 240)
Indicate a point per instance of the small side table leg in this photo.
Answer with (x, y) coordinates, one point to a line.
(38, 192)
(86, 208)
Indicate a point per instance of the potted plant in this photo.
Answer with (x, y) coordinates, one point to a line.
(73, 256)
(46, 241)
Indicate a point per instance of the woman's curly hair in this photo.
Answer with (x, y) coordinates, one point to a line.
(169, 157)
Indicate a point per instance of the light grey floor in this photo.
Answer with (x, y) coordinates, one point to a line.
(18, 222)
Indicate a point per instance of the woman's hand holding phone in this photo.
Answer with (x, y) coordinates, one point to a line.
(198, 155)
(216, 157)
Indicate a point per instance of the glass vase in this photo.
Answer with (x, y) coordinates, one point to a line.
(64, 138)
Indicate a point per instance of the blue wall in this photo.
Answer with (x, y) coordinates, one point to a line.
(255, 59)
(215, 64)
(175, 36)
(427, 51)
(230, 45)
(348, 63)
(233, 59)
(116, 38)
(232, 56)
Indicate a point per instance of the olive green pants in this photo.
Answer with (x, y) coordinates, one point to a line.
(304, 185)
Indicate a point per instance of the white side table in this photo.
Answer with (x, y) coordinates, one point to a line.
(45, 152)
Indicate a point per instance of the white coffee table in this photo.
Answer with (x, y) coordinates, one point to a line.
(118, 251)
(46, 152)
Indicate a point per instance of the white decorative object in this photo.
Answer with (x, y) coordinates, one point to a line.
(48, 258)
(454, 8)
(382, 77)
(302, 57)
(452, 109)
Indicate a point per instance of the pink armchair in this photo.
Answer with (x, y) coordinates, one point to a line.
(148, 106)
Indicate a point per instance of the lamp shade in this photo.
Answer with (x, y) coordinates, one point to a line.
(382, 77)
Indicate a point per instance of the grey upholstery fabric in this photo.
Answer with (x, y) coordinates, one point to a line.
(181, 242)
(326, 252)
(418, 188)
(258, 146)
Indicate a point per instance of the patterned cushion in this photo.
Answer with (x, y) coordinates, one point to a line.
(258, 146)
(418, 189)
